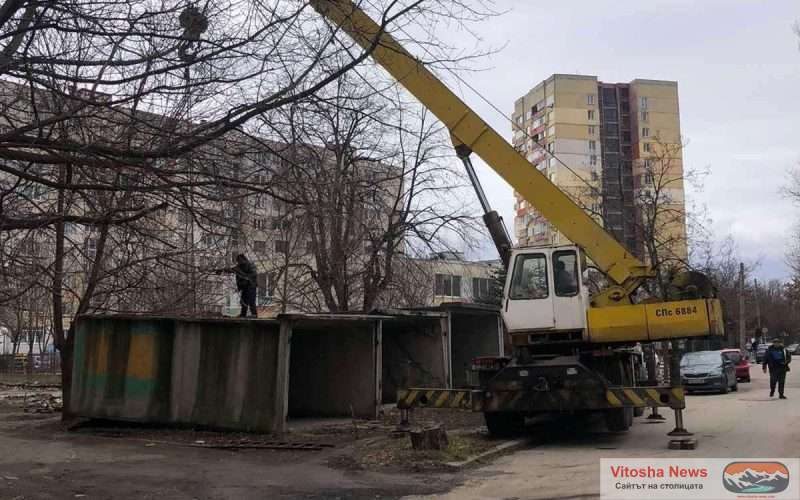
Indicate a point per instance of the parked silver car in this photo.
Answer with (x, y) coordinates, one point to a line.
(708, 371)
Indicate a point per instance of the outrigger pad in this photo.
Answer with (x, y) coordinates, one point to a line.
(682, 444)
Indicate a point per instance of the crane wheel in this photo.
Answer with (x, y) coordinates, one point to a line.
(619, 419)
(504, 424)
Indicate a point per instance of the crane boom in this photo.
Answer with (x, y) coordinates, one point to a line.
(467, 129)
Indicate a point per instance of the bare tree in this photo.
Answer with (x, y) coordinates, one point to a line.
(372, 182)
(120, 121)
(666, 228)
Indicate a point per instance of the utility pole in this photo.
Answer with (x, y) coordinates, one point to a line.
(742, 338)
(758, 306)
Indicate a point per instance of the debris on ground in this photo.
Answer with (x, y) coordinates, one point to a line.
(42, 403)
(156, 436)
(32, 397)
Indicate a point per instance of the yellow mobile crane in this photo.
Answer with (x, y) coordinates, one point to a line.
(572, 352)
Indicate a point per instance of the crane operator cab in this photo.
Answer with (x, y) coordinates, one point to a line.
(545, 293)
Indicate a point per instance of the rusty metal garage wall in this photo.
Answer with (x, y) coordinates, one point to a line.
(122, 368)
(334, 368)
(225, 374)
(473, 333)
(220, 373)
(414, 353)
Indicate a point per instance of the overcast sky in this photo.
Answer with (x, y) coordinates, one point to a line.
(737, 65)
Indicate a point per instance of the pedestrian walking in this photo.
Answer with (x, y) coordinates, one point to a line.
(777, 359)
(246, 283)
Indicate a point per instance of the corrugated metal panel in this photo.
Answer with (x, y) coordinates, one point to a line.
(219, 373)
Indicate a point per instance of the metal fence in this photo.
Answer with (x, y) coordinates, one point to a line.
(46, 363)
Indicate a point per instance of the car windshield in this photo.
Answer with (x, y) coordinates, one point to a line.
(736, 357)
(700, 358)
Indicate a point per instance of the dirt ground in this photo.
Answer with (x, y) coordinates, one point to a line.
(40, 459)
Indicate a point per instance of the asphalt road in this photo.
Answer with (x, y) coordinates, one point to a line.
(562, 460)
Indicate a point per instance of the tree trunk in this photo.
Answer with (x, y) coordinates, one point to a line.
(429, 438)
(66, 351)
(29, 362)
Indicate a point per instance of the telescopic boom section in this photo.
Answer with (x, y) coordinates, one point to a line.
(469, 130)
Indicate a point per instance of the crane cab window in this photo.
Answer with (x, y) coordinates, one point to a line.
(530, 277)
(565, 273)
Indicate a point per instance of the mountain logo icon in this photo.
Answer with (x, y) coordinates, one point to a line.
(755, 477)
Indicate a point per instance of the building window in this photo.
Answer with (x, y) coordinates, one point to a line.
(648, 164)
(647, 179)
(260, 246)
(260, 224)
(592, 145)
(232, 211)
(645, 116)
(91, 247)
(447, 285)
(281, 246)
(481, 288)
(590, 99)
(280, 224)
(647, 148)
(644, 102)
(593, 160)
(645, 132)
(591, 129)
(590, 114)
(595, 175)
(551, 146)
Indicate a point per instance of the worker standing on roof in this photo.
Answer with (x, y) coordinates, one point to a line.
(246, 283)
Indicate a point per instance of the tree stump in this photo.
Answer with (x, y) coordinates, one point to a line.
(429, 438)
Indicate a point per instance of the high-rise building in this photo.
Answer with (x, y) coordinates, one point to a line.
(615, 148)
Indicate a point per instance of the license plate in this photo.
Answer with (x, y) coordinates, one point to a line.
(696, 380)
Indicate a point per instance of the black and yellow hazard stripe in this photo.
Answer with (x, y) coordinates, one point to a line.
(672, 397)
(433, 398)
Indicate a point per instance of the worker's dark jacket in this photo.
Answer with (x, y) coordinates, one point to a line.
(246, 275)
(776, 358)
